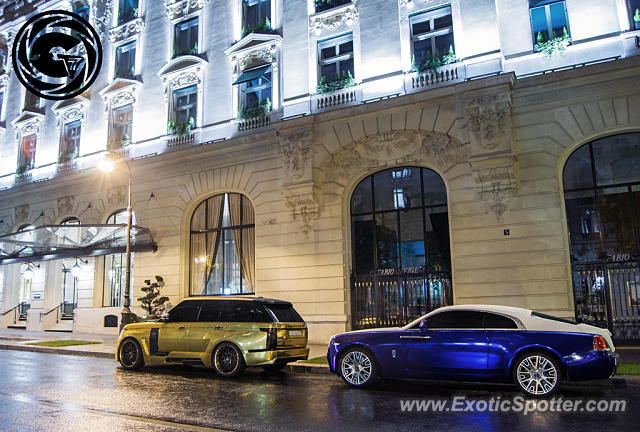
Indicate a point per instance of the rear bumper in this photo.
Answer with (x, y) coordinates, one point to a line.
(257, 358)
(594, 365)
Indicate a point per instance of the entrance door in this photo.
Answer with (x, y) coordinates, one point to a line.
(24, 293)
(69, 292)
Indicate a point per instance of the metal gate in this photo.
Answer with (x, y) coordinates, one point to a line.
(607, 295)
(395, 300)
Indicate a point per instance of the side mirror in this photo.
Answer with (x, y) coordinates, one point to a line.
(423, 325)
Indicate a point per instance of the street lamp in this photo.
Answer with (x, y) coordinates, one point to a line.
(107, 165)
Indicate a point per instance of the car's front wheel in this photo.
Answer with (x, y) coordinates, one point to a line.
(358, 367)
(130, 354)
(228, 360)
(537, 374)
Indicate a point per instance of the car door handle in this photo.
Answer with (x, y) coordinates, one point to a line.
(218, 327)
(181, 327)
(415, 337)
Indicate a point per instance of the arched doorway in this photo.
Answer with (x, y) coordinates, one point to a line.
(602, 198)
(401, 266)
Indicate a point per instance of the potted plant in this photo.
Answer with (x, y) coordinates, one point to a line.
(181, 128)
(337, 83)
(67, 156)
(556, 44)
(152, 302)
(432, 64)
(259, 109)
(636, 19)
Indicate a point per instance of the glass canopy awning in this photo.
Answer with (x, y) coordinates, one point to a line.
(52, 242)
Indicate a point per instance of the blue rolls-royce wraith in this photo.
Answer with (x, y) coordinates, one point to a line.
(477, 343)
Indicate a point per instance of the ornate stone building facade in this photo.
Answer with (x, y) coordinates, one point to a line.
(338, 214)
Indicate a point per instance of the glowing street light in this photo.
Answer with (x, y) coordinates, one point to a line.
(107, 165)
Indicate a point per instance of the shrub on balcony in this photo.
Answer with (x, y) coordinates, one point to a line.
(264, 27)
(322, 5)
(181, 128)
(186, 51)
(432, 64)
(260, 109)
(636, 19)
(25, 166)
(67, 156)
(336, 83)
(556, 44)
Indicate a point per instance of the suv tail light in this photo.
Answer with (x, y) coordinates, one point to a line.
(599, 344)
(272, 338)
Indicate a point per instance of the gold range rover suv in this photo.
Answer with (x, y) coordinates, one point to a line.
(225, 333)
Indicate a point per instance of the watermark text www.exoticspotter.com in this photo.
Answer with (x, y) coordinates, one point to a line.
(517, 404)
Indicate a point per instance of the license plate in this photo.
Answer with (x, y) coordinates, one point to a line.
(295, 332)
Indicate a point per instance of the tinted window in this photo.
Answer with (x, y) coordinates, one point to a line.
(186, 311)
(285, 313)
(210, 311)
(495, 321)
(456, 320)
(243, 311)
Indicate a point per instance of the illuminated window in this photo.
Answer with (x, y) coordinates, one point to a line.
(634, 13)
(115, 267)
(256, 16)
(27, 155)
(431, 34)
(126, 60)
(403, 173)
(185, 38)
(70, 141)
(335, 58)
(185, 105)
(121, 125)
(127, 10)
(398, 199)
(548, 20)
(255, 91)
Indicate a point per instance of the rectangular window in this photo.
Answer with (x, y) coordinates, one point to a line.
(27, 156)
(634, 13)
(127, 10)
(398, 198)
(125, 66)
(31, 101)
(431, 34)
(185, 38)
(548, 20)
(256, 16)
(323, 5)
(255, 91)
(335, 58)
(121, 125)
(70, 141)
(185, 105)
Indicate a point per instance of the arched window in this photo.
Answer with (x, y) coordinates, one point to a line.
(222, 252)
(400, 244)
(115, 267)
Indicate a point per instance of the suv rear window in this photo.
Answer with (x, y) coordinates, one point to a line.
(284, 312)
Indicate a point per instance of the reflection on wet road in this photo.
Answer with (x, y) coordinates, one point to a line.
(44, 392)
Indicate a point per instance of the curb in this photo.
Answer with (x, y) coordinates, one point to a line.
(48, 350)
(306, 368)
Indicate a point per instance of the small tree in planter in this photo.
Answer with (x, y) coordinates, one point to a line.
(557, 44)
(152, 303)
(181, 128)
(636, 19)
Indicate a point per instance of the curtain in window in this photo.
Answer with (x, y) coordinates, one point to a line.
(241, 212)
(204, 245)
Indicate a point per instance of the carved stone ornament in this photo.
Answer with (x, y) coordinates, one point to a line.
(4, 79)
(410, 4)
(102, 16)
(182, 8)
(116, 195)
(72, 114)
(496, 181)
(183, 79)
(395, 148)
(489, 120)
(255, 57)
(126, 30)
(334, 18)
(65, 205)
(123, 98)
(304, 209)
(296, 152)
(28, 128)
(22, 212)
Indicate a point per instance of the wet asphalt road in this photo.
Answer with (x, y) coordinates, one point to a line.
(45, 392)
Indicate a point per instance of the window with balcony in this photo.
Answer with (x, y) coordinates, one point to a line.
(634, 13)
(549, 23)
(27, 153)
(70, 141)
(32, 102)
(185, 110)
(127, 10)
(256, 16)
(335, 63)
(255, 92)
(185, 38)
(432, 43)
(323, 5)
(121, 126)
(125, 65)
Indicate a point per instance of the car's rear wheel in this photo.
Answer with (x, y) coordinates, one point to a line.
(358, 367)
(130, 354)
(227, 360)
(537, 374)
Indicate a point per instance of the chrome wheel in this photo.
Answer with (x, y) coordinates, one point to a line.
(130, 355)
(356, 368)
(227, 360)
(537, 375)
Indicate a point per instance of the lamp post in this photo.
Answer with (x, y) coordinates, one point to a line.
(107, 165)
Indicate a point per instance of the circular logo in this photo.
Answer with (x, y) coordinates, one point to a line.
(57, 55)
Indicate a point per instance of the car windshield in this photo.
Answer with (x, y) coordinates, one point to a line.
(284, 313)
